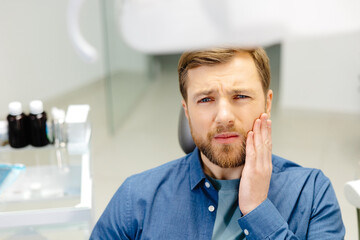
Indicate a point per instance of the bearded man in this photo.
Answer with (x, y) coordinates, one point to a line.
(231, 186)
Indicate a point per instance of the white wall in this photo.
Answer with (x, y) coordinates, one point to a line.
(321, 73)
(37, 60)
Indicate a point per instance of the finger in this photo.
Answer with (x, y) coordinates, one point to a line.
(265, 140)
(268, 142)
(258, 143)
(264, 128)
(269, 127)
(250, 150)
(257, 134)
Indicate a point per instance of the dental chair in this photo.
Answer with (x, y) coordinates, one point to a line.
(184, 134)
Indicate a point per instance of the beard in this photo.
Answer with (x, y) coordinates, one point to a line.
(223, 155)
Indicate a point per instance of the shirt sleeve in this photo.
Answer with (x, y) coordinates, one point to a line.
(265, 221)
(326, 221)
(115, 222)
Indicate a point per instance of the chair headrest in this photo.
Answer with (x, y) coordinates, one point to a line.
(185, 139)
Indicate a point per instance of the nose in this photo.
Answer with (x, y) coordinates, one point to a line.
(225, 115)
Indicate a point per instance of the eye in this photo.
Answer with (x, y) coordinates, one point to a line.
(204, 100)
(240, 96)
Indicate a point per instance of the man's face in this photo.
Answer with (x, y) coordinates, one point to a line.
(223, 102)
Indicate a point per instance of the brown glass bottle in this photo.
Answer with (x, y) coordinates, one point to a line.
(37, 125)
(17, 126)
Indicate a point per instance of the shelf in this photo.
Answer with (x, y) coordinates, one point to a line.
(54, 188)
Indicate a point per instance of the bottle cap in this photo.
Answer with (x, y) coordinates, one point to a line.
(15, 108)
(36, 107)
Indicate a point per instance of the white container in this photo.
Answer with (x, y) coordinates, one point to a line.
(78, 129)
(4, 137)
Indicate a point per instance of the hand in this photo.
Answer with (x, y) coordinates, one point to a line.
(256, 175)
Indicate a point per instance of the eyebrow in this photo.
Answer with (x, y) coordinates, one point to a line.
(203, 93)
(242, 91)
(232, 91)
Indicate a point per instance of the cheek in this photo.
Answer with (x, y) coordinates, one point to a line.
(247, 117)
(200, 124)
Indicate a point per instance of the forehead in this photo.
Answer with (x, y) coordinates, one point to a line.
(239, 73)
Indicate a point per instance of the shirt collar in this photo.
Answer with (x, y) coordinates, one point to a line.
(196, 172)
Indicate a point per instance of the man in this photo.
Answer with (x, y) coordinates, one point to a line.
(231, 186)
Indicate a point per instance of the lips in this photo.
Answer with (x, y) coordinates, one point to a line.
(226, 137)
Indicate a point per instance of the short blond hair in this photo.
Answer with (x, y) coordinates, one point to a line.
(194, 59)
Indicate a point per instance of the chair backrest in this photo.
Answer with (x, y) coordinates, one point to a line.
(185, 139)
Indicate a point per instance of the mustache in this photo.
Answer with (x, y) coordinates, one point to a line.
(221, 129)
(230, 128)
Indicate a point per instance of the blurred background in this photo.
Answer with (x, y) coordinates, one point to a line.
(135, 102)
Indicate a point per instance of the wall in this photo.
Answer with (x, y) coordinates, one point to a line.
(321, 73)
(37, 60)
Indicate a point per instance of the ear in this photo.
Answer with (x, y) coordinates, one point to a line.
(269, 97)
(184, 105)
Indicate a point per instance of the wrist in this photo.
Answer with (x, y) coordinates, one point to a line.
(249, 208)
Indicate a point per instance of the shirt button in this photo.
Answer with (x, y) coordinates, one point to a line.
(246, 232)
(211, 208)
(207, 184)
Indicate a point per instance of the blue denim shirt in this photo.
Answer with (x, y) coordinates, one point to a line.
(176, 201)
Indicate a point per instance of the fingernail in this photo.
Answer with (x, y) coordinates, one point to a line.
(268, 123)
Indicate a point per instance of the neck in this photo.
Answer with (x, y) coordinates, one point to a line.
(220, 173)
